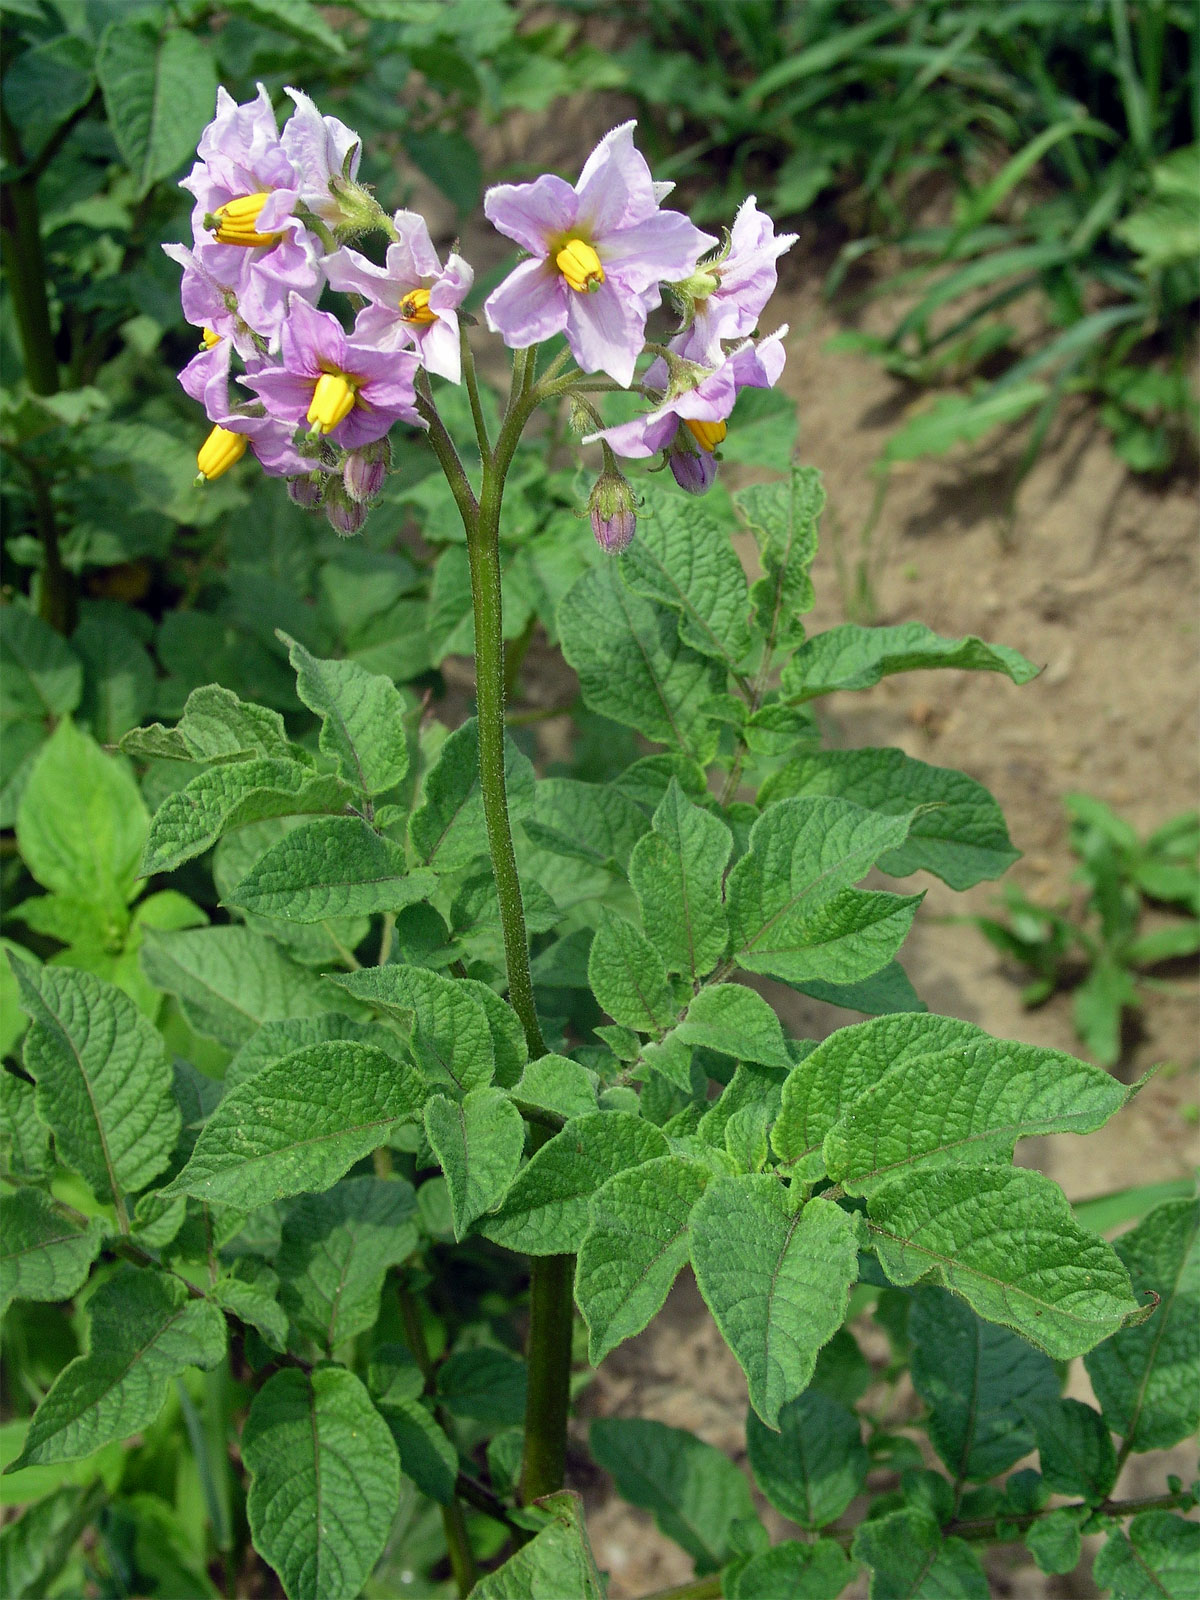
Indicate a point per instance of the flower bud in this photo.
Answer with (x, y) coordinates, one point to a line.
(612, 508)
(307, 492)
(693, 470)
(364, 472)
(346, 516)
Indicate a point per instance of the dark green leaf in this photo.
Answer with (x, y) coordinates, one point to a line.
(816, 1463)
(159, 87)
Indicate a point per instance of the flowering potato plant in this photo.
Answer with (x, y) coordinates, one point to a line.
(466, 1025)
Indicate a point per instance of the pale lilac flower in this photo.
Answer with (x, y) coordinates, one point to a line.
(600, 251)
(414, 299)
(206, 380)
(744, 280)
(209, 303)
(364, 472)
(324, 154)
(349, 391)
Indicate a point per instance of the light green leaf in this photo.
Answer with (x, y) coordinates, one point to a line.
(35, 1483)
(816, 1463)
(159, 86)
(509, 1044)
(961, 419)
(636, 1241)
(794, 1571)
(592, 822)
(81, 822)
(22, 741)
(299, 1124)
(791, 911)
(968, 1106)
(451, 1037)
(676, 872)
(908, 1558)
(42, 1256)
(853, 657)
(1156, 1560)
(334, 1251)
(478, 1144)
(229, 796)
(250, 1295)
(274, 1040)
(144, 1332)
(974, 1376)
(783, 519)
(334, 867)
(103, 1081)
(683, 559)
(24, 1137)
(694, 1491)
(448, 829)
(545, 1212)
(40, 675)
(1054, 1541)
(1144, 1376)
(958, 830)
(734, 1020)
(634, 667)
(627, 976)
(215, 726)
(1004, 1238)
(426, 1455)
(556, 1083)
(362, 718)
(324, 1481)
(557, 1561)
(775, 1278)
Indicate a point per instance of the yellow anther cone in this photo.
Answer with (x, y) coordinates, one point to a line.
(236, 222)
(414, 306)
(332, 401)
(708, 435)
(221, 450)
(580, 266)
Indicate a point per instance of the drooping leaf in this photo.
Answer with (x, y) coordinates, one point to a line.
(215, 726)
(362, 718)
(448, 829)
(637, 1240)
(324, 1480)
(694, 1491)
(776, 1279)
(854, 657)
(159, 85)
(627, 976)
(558, 1560)
(144, 1332)
(676, 873)
(1157, 1559)
(451, 1036)
(334, 867)
(103, 1080)
(42, 1255)
(908, 1557)
(783, 519)
(1004, 1238)
(299, 1124)
(794, 1571)
(478, 1143)
(736, 1021)
(545, 1212)
(816, 1463)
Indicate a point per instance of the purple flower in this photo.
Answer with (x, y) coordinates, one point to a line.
(600, 251)
(692, 468)
(413, 298)
(349, 391)
(206, 380)
(324, 154)
(209, 303)
(612, 508)
(729, 293)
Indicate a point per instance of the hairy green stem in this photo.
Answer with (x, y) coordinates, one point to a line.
(548, 1353)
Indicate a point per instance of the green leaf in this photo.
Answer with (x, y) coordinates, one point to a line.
(736, 1021)
(120, 674)
(42, 1256)
(764, 424)
(103, 1081)
(592, 822)
(1144, 1375)
(159, 87)
(1076, 1449)
(144, 1332)
(24, 1137)
(40, 675)
(224, 797)
(557, 1561)
(448, 829)
(627, 976)
(545, 1212)
(274, 1040)
(793, 1571)
(776, 1279)
(478, 1144)
(1054, 1541)
(909, 1560)
(974, 1377)
(556, 1083)
(958, 831)
(334, 1251)
(684, 560)
(1004, 1238)
(1156, 1560)
(634, 667)
(853, 657)
(215, 726)
(967, 1106)
(35, 1548)
(486, 1384)
(509, 1044)
(961, 419)
(783, 519)
(426, 1454)
(792, 913)
(694, 1491)
(250, 1296)
(883, 992)
(637, 1239)
(231, 980)
(334, 867)
(451, 1037)
(81, 822)
(297, 18)
(299, 1124)
(324, 1481)
(676, 872)
(362, 718)
(816, 1463)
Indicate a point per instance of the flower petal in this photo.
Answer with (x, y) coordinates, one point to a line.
(615, 188)
(439, 348)
(529, 306)
(532, 213)
(287, 395)
(312, 340)
(318, 147)
(353, 273)
(606, 331)
(662, 247)
(414, 248)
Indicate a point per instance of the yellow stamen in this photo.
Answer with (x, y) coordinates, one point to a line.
(414, 306)
(332, 401)
(220, 451)
(707, 435)
(236, 222)
(580, 266)
(208, 339)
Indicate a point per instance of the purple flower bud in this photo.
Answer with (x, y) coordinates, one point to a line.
(346, 517)
(306, 492)
(693, 470)
(612, 509)
(365, 471)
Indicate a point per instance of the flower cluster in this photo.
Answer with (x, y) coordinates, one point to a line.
(274, 216)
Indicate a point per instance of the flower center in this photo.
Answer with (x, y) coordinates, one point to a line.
(208, 339)
(580, 266)
(414, 306)
(333, 400)
(707, 435)
(236, 222)
(220, 451)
